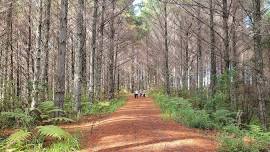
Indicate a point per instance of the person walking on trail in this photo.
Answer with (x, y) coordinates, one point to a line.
(143, 93)
(136, 93)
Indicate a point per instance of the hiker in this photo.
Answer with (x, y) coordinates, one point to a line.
(136, 94)
(143, 94)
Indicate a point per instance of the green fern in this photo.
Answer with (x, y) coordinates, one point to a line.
(46, 111)
(53, 131)
(22, 119)
(18, 138)
(223, 117)
(46, 106)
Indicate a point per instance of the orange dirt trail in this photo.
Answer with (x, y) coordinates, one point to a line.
(138, 127)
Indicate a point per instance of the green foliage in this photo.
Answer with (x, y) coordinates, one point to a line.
(30, 141)
(182, 111)
(53, 131)
(45, 113)
(16, 141)
(104, 107)
(18, 118)
(69, 145)
(223, 117)
(211, 116)
(235, 140)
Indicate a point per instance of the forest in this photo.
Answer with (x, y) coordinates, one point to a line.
(69, 70)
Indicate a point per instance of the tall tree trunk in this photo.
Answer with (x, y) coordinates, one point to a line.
(212, 50)
(226, 44)
(29, 47)
(199, 52)
(18, 70)
(36, 82)
(133, 69)
(235, 64)
(186, 64)
(166, 55)
(111, 53)
(11, 77)
(60, 71)
(72, 61)
(93, 57)
(100, 52)
(44, 76)
(9, 48)
(259, 62)
(226, 41)
(78, 55)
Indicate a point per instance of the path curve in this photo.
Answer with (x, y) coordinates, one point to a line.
(138, 126)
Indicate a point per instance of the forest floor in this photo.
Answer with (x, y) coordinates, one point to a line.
(139, 126)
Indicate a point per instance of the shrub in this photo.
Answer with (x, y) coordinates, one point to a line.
(223, 117)
(45, 112)
(234, 139)
(182, 111)
(17, 118)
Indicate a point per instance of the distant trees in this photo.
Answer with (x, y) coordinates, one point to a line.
(217, 54)
(55, 51)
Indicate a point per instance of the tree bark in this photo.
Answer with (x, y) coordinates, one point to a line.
(78, 56)
(226, 44)
(60, 71)
(259, 82)
(111, 53)
(8, 48)
(93, 57)
(100, 52)
(44, 76)
(29, 47)
(166, 55)
(36, 82)
(199, 53)
(212, 50)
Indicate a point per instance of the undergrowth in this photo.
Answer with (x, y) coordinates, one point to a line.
(38, 130)
(103, 107)
(213, 114)
(41, 139)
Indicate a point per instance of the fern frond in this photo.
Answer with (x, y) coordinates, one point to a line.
(16, 115)
(46, 106)
(18, 138)
(23, 117)
(53, 131)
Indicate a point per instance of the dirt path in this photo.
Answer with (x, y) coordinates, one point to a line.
(138, 127)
